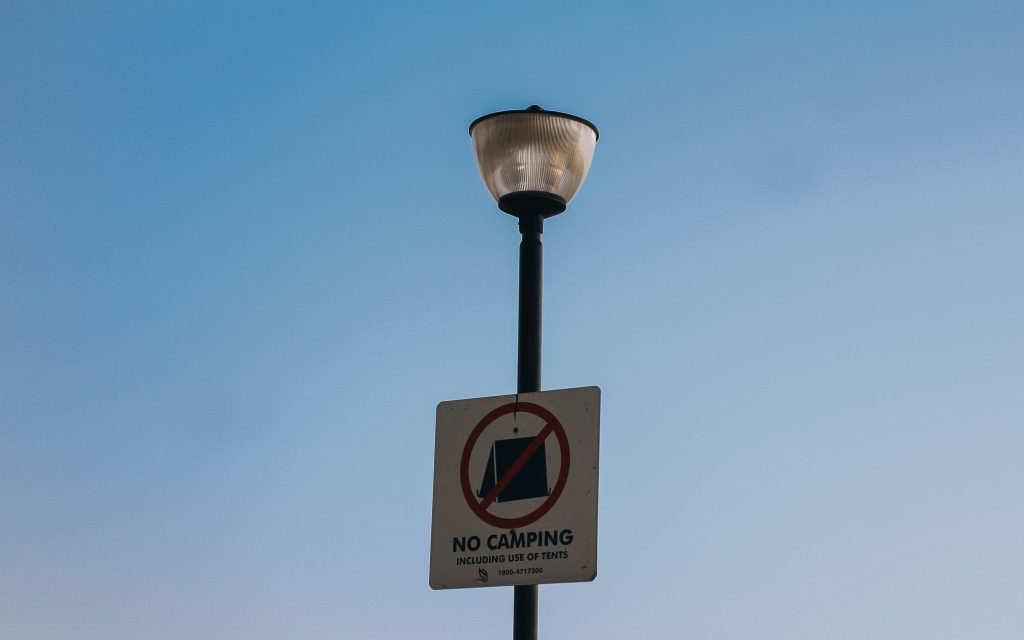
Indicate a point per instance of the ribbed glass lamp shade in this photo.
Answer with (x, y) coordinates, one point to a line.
(533, 153)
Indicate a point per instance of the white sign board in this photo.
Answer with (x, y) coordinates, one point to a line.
(515, 490)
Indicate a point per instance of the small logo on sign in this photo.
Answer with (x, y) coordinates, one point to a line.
(483, 575)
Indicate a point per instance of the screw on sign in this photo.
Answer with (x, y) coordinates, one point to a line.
(510, 477)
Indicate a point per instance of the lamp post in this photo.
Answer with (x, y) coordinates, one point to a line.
(533, 161)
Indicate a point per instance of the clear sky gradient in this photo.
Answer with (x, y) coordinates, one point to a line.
(244, 251)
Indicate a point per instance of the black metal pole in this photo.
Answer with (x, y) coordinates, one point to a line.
(531, 267)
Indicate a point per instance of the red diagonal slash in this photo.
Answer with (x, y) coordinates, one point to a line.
(516, 466)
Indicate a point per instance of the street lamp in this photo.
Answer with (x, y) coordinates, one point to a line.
(533, 161)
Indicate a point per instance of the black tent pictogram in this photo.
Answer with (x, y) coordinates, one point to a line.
(530, 482)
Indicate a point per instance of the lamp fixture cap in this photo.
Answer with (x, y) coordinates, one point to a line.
(533, 108)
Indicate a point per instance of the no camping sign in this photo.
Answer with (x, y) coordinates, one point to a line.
(515, 489)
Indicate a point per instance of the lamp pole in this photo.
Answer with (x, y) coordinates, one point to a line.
(531, 276)
(531, 280)
(532, 162)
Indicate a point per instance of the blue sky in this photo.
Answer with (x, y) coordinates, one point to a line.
(245, 251)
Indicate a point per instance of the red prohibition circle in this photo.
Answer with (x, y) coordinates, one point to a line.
(555, 428)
